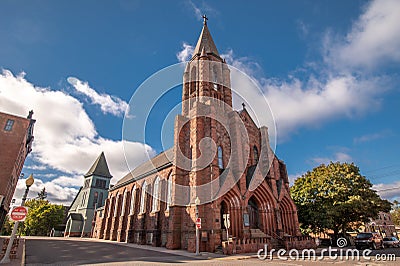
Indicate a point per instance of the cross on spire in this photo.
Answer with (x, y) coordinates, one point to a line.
(205, 18)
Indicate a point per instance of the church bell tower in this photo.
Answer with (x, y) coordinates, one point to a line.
(206, 75)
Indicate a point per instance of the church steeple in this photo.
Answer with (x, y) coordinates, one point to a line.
(205, 41)
(99, 167)
(207, 76)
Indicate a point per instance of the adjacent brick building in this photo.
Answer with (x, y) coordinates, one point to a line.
(16, 136)
(220, 157)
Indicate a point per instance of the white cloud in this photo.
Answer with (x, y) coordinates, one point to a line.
(56, 193)
(373, 136)
(186, 53)
(293, 178)
(202, 9)
(390, 191)
(374, 38)
(337, 157)
(65, 137)
(335, 89)
(108, 104)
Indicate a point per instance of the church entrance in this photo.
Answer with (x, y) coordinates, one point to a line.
(254, 217)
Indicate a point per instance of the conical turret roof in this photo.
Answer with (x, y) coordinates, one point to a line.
(99, 167)
(205, 42)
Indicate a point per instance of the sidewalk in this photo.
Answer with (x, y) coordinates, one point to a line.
(20, 260)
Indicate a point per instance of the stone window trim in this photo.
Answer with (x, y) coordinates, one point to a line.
(133, 201)
(124, 202)
(110, 201)
(116, 205)
(156, 195)
(143, 199)
(169, 192)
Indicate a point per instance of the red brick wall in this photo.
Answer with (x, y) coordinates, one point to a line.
(12, 155)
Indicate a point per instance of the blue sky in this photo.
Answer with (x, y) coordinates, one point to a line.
(328, 68)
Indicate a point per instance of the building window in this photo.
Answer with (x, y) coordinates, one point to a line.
(220, 159)
(215, 77)
(156, 195)
(83, 199)
(255, 153)
(96, 195)
(124, 203)
(133, 199)
(100, 201)
(169, 191)
(116, 205)
(143, 198)
(193, 80)
(100, 183)
(9, 125)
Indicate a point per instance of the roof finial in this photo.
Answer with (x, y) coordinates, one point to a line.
(205, 18)
(244, 106)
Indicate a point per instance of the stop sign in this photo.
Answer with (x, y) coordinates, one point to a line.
(19, 213)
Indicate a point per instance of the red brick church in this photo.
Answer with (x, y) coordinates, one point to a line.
(221, 158)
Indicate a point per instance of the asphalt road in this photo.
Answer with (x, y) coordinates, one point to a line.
(74, 252)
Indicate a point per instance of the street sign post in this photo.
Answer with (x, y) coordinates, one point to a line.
(18, 214)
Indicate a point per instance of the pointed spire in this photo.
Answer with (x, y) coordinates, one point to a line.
(99, 167)
(205, 41)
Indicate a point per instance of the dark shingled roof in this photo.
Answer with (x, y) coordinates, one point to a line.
(99, 167)
(160, 161)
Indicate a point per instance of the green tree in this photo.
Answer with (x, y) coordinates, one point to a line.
(337, 197)
(42, 194)
(396, 213)
(42, 217)
(7, 227)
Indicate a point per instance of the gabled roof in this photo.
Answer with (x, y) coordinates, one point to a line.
(75, 202)
(158, 162)
(205, 42)
(99, 167)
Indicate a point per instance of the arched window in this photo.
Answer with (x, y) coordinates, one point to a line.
(124, 202)
(110, 201)
(143, 198)
(133, 199)
(255, 153)
(169, 191)
(100, 201)
(193, 80)
(156, 195)
(116, 205)
(220, 158)
(95, 197)
(215, 77)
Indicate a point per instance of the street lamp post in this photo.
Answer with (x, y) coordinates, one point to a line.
(6, 259)
(197, 203)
